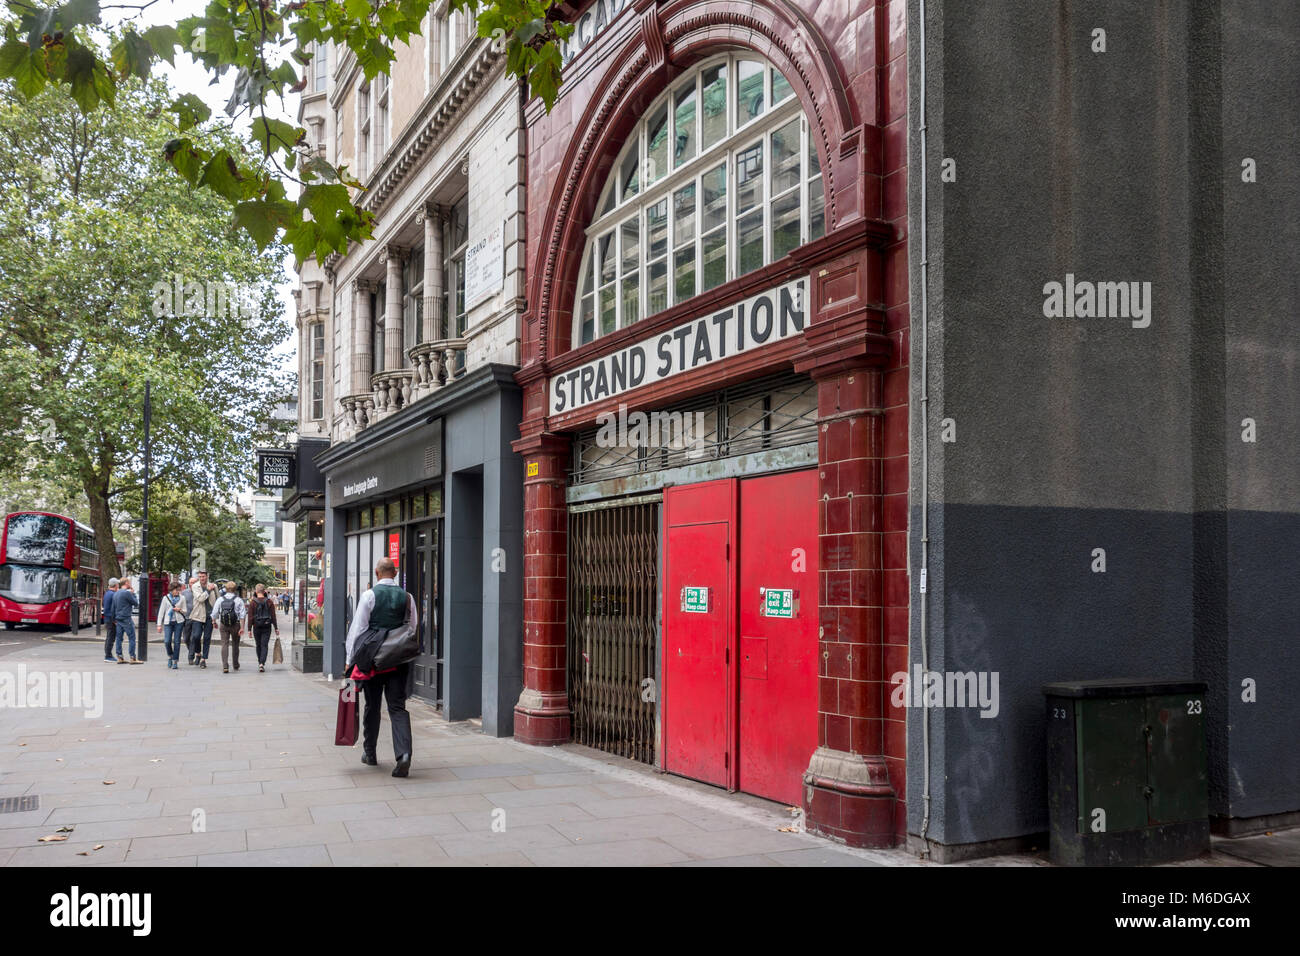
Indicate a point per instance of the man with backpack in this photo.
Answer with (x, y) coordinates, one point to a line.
(229, 615)
(382, 609)
(261, 618)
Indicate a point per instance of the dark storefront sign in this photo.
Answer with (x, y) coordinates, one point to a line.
(277, 468)
(399, 463)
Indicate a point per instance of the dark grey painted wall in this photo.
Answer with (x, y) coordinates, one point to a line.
(483, 561)
(1083, 433)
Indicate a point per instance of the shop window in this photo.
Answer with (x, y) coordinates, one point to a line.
(720, 178)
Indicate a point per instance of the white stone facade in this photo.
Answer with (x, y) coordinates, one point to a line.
(448, 167)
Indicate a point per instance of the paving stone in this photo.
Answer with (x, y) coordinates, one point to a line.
(419, 851)
(120, 811)
(219, 819)
(69, 854)
(280, 856)
(661, 825)
(542, 795)
(366, 828)
(186, 844)
(736, 842)
(743, 861)
(258, 776)
(818, 856)
(27, 818)
(328, 798)
(307, 834)
(471, 803)
(481, 818)
(1281, 849)
(208, 792)
(253, 801)
(481, 771)
(620, 853)
(536, 781)
(344, 812)
(514, 838)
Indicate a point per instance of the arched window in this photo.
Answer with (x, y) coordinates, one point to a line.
(719, 178)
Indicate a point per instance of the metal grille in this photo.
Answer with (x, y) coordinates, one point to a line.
(613, 610)
(20, 804)
(757, 416)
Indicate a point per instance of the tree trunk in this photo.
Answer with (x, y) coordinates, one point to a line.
(101, 522)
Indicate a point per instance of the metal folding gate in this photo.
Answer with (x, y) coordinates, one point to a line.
(613, 627)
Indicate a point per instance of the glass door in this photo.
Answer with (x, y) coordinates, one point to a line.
(422, 583)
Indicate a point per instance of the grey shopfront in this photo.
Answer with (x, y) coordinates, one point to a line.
(438, 489)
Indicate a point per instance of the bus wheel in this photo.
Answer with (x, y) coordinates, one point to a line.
(9, 625)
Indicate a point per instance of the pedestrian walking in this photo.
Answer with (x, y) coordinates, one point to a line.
(261, 618)
(187, 605)
(125, 604)
(230, 613)
(110, 625)
(202, 600)
(384, 606)
(214, 593)
(171, 621)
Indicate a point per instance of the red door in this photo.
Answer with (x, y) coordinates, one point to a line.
(777, 652)
(698, 623)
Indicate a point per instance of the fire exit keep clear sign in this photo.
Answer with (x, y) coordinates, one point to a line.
(695, 600)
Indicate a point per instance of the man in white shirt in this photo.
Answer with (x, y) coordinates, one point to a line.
(386, 606)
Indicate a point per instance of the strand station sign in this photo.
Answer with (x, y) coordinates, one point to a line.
(762, 319)
(277, 468)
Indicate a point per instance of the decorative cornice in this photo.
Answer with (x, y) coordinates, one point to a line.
(429, 127)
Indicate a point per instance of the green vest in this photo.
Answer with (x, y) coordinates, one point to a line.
(390, 607)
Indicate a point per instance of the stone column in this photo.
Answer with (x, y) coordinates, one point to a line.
(394, 346)
(361, 320)
(432, 272)
(542, 715)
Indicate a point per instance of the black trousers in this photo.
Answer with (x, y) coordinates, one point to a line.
(261, 637)
(110, 626)
(393, 688)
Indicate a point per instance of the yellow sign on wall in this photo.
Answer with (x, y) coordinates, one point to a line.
(532, 469)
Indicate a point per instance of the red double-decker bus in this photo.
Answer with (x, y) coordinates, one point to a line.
(46, 560)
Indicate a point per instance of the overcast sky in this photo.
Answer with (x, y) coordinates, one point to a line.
(190, 77)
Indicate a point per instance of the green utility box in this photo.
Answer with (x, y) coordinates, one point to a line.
(1127, 783)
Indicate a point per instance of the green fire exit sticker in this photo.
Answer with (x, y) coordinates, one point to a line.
(695, 600)
(778, 602)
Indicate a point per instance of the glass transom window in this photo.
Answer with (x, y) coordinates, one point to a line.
(719, 178)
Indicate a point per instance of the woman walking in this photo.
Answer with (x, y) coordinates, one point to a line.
(171, 619)
(261, 618)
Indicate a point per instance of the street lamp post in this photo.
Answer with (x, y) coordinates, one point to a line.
(143, 637)
(189, 560)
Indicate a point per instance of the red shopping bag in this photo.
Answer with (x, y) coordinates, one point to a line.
(348, 720)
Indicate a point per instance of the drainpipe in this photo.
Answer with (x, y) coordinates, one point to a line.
(925, 454)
